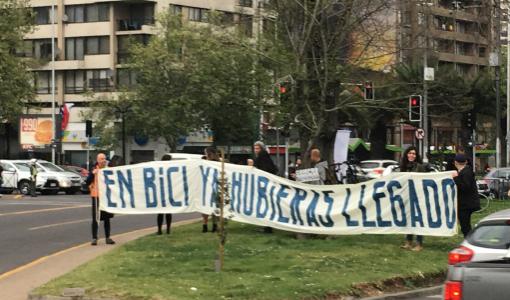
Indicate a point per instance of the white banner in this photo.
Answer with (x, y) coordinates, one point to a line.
(401, 203)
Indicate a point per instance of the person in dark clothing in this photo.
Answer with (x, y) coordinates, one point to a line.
(210, 154)
(262, 159)
(264, 162)
(411, 162)
(167, 217)
(450, 164)
(468, 200)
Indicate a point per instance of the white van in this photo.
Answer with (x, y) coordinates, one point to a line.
(16, 175)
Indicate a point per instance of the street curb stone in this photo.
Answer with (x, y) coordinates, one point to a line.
(410, 294)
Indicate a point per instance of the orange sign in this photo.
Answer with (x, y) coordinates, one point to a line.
(35, 131)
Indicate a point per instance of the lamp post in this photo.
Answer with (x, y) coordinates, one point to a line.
(121, 112)
(53, 117)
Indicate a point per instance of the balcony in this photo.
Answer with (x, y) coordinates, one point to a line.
(133, 16)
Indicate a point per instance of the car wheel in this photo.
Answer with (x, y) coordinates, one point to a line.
(24, 187)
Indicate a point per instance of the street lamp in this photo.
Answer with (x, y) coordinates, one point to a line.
(120, 112)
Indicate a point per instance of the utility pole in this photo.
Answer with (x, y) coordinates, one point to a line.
(425, 117)
(497, 70)
(53, 118)
(508, 88)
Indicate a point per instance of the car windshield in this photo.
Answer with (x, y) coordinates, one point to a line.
(496, 236)
(22, 167)
(51, 167)
(369, 165)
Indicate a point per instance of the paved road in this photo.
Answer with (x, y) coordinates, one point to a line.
(31, 228)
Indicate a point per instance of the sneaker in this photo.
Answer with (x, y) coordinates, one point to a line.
(109, 241)
(417, 248)
(407, 246)
(94, 242)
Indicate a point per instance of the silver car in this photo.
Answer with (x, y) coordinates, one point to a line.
(489, 240)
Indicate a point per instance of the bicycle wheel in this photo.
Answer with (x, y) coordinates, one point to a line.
(484, 202)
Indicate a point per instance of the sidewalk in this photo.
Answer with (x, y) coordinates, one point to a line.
(18, 283)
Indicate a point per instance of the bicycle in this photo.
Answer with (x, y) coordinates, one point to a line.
(351, 173)
(485, 200)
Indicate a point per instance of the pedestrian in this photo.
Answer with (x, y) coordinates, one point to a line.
(33, 177)
(322, 167)
(167, 217)
(411, 162)
(98, 215)
(264, 162)
(210, 154)
(468, 200)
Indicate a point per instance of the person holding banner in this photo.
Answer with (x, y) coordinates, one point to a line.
(411, 162)
(264, 162)
(468, 199)
(97, 215)
(168, 217)
(210, 154)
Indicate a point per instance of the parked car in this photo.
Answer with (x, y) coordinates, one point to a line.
(68, 182)
(488, 240)
(486, 280)
(83, 175)
(375, 168)
(184, 156)
(498, 181)
(16, 175)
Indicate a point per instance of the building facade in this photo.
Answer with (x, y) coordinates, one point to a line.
(91, 49)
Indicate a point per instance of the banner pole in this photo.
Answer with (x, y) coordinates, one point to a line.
(222, 205)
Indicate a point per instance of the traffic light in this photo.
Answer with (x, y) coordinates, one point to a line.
(88, 128)
(470, 120)
(284, 90)
(415, 108)
(368, 90)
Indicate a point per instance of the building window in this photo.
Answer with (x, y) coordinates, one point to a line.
(42, 82)
(176, 9)
(246, 24)
(97, 45)
(124, 43)
(38, 49)
(74, 82)
(75, 49)
(197, 14)
(126, 78)
(246, 3)
(99, 80)
(88, 13)
(42, 15)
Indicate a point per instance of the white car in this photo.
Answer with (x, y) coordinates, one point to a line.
(375, 168)
(16, 175)
(184, 156)
(488, 240)
(68, 182)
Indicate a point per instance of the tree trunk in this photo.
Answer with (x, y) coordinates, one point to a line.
(378, 139)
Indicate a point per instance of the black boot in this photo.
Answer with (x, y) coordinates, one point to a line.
(214, 228)
(204, 228)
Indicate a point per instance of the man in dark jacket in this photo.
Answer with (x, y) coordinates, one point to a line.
(264, 162)
(467, 200)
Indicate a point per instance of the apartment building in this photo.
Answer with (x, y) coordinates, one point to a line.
(90, 54)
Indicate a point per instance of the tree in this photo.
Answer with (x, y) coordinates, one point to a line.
(314, 42)
(15, 79)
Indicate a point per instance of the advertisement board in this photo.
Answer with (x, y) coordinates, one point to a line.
(36, 131)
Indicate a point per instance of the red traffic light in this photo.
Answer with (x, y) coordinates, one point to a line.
(415, 101)
(283, 89)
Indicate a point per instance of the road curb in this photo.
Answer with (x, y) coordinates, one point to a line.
(409, 294)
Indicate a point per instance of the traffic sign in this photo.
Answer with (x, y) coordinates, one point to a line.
(419, 133)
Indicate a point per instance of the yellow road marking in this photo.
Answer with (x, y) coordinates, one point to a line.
(42, 210)
(44, 258)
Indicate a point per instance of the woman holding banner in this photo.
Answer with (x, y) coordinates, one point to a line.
(411, 162)
(167, 217)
